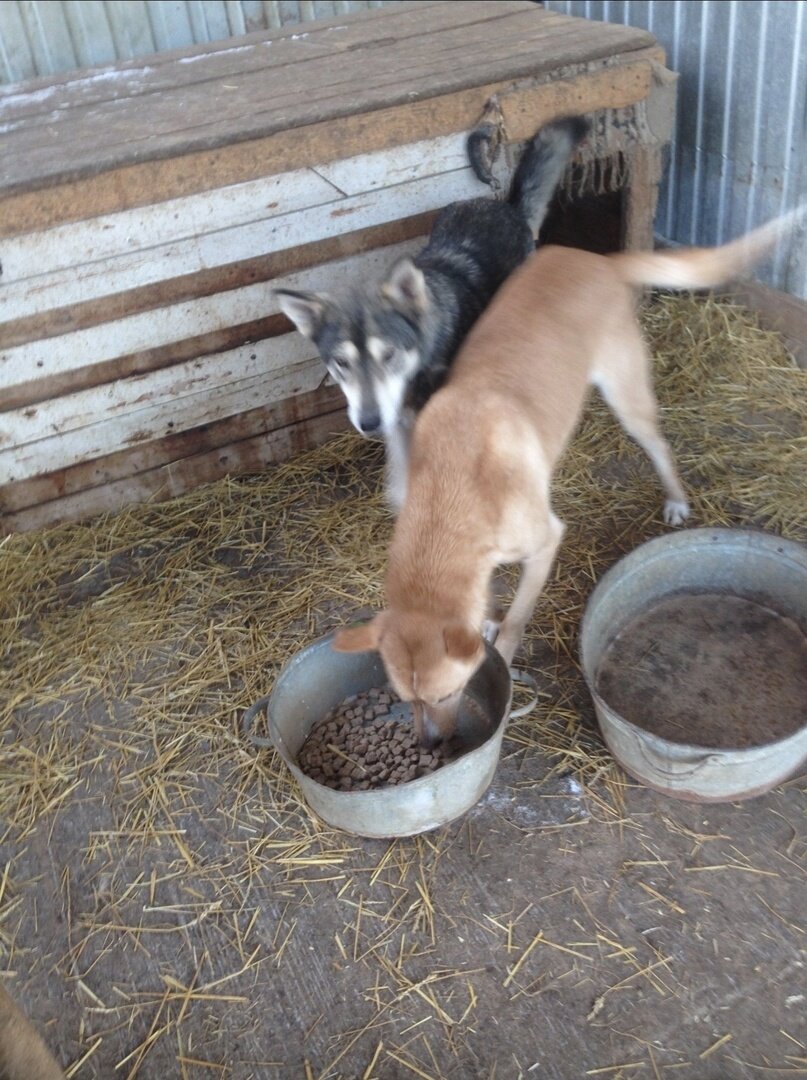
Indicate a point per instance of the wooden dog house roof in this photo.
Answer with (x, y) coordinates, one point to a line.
(205, 98)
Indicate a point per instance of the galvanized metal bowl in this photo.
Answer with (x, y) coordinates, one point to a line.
(318, 678)
(749, 564)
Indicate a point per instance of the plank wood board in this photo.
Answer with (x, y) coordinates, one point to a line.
(54, 134)
(155, 421)
(175, 478)
(109, 235)
(39, 360)
(328, 214)
(172, 448)
(163, 397)
(208, 282)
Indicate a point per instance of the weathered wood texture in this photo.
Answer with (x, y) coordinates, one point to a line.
(206, 101)
(147, 210)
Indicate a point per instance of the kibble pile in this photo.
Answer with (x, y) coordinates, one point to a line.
(359, 746)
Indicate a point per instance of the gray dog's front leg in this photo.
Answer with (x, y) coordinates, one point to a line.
(397, 441)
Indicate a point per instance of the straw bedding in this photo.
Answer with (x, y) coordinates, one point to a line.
(133, 642)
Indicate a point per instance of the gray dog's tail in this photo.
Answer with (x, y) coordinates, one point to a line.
(542, 166)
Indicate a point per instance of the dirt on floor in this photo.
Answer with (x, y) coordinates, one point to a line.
(169, 908)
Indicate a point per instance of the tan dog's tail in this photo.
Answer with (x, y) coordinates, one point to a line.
(703, 268)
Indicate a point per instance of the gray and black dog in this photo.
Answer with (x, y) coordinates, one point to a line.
(390, 344)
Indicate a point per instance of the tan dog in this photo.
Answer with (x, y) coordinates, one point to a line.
(486, 445)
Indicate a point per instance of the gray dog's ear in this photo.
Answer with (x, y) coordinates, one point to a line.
(405, 287)
(306, 310)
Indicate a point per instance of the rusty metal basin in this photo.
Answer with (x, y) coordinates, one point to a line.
(739, 685)
(317, 678)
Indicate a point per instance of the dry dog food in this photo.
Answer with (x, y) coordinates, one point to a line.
(359, 746)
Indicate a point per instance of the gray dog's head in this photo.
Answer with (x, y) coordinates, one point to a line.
(371, 344)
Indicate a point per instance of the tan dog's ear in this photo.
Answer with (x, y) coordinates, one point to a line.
(362, 638)
(461, 643)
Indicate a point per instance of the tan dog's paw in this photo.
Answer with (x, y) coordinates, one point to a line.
(675, 512)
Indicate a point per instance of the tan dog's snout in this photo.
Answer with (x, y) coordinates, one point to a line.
(421, 663)
(436, 723)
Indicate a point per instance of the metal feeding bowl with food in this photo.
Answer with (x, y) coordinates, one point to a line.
(351, 745)
(694, 649)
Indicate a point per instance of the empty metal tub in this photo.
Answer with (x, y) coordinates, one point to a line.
(748, 564)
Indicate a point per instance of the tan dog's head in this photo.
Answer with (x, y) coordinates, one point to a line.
(428, 662)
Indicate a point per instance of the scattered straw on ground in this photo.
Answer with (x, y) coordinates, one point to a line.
(132, 644)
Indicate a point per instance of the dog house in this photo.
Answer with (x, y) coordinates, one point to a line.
(146, 211)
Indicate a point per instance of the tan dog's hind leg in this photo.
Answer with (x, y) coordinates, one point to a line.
(629, 393)
(534, 572)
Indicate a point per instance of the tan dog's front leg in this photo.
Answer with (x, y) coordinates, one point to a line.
(534, 572)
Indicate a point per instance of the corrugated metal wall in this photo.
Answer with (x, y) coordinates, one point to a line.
(740, 154)
(43, 37)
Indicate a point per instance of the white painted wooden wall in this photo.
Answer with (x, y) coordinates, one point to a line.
(93, 260)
